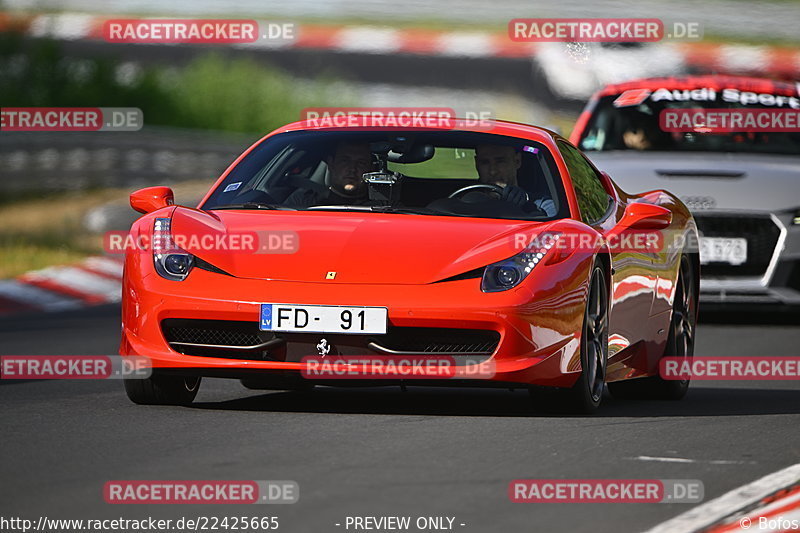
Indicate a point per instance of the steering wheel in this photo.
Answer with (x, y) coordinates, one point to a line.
(496, 189)
(491, 187)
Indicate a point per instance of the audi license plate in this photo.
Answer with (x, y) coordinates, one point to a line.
(323, 319)
(723, 250)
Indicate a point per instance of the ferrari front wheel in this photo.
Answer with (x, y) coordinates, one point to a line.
(585, 396)
(163, 389)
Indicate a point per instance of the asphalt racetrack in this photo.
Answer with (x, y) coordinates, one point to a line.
(373, 452)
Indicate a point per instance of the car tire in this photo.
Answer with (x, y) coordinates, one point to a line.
(680, 343)
(163, 389)
(585, 396)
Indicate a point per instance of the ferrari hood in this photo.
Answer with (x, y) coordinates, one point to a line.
(358, 247)
(752, 182)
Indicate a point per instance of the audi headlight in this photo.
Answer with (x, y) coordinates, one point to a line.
(510, 272)
(171, 262)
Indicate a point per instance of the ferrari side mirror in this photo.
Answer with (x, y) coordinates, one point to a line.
(646, 216)
(152, 198)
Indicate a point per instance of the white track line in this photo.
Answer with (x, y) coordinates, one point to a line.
(712, 512)
(664, 459)
(682, 460)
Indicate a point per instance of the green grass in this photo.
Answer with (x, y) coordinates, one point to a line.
(57, 240)
(42, 232)
(212, 92)
(36, 233)
(242, 96)
(25, 257)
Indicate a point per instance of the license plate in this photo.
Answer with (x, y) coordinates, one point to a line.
(323, 318)
(723, 250)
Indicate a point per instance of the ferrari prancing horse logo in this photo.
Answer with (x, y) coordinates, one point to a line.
(323, 347)
(330, 275)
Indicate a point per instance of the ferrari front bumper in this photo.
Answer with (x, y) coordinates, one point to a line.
(538, 343)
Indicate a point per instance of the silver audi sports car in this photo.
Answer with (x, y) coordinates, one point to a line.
(742, 183)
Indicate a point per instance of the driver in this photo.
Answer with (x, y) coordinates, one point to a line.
(643, 133)
(498, 165)
(347, 165)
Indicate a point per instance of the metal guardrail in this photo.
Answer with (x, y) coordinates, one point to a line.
(34, 161)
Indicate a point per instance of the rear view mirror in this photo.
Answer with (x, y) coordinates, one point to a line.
(416, 153)
(152, 198)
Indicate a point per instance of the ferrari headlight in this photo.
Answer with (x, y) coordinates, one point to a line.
(796, 218)
(506, 276)
(510, 272)
(171, 262)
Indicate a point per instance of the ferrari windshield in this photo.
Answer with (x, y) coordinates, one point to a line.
(630, 121)
(424, 173)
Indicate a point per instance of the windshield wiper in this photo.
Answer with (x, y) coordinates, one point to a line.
(254, 205)
(403, 210)
(339, 208)
(372, 209)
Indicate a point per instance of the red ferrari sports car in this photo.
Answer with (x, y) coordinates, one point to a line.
(501, 250)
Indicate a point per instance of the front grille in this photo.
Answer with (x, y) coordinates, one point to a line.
(439, 340)
(762, 236)
(243, 340)
(214, 338)
(219, 334)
